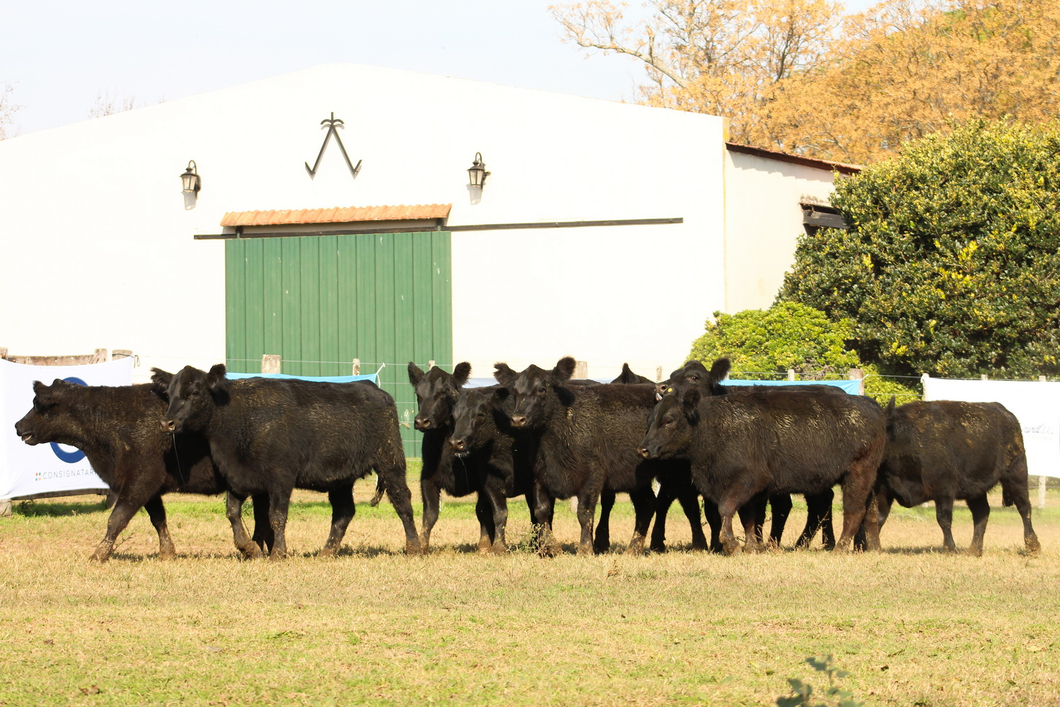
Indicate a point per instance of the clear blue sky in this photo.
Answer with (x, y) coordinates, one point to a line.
(61, 55)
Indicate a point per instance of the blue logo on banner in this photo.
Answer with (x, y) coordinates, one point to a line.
(76, 455)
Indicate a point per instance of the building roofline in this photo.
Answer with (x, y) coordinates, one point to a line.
(841, 167)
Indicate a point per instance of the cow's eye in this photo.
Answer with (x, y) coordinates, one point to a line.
(668, 423)
(541, 390)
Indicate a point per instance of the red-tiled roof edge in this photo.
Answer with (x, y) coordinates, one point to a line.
(841, 167)
(339, 214)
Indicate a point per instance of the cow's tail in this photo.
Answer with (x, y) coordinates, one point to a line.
(379, 490)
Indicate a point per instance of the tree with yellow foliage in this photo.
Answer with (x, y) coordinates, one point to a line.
(720, 57)
(796, 76)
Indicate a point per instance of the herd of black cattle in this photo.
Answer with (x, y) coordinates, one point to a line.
(541, 435)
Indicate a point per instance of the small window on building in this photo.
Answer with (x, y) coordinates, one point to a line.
(818, 216)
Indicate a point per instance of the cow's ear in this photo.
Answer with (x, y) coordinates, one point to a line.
(415, 373)
(566, 395)
(564, 368)
(500, 395)
(504, 375)
(60, 383)
(890, 407)
(690, 403)
(719, 370)
(160, 381)
(42, 391)
(461, 373)
(217, 382)
(627, 376)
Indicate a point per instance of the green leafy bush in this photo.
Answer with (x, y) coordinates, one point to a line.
(772, 341)
(951, 265)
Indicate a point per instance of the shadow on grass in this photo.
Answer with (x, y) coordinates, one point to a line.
(37, 509)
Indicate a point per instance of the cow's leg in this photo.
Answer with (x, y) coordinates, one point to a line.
(980, 509)
(602, 543)
(662, 507)
(752, 518)
(234, 512)
(342, 512)
(498, 504)
(858, 486)
(157, 512)
(279, 502)
(401, 499)
(586, 514)
(726, 510)
(543, 508)
(644, 508)
(870, 524)
(123, 511)
(484, 513)
(263, 536)
(759, 522)
(710, 512)
(431, 494)
(944, 515)
(1017, 494)
(780, 504)
(818, 509)
(690, 504)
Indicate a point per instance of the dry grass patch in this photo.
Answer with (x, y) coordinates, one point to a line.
(912, 625)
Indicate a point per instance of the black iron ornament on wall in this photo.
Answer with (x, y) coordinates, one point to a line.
(333, 124)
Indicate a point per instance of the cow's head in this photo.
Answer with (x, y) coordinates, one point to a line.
(436, 392)
(52, 417)
(476, 416)
(670, 426)
(536, 393)
(193, 395)
(695, 375)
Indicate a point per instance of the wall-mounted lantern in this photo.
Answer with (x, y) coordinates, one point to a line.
(477, 171)
(191, 180)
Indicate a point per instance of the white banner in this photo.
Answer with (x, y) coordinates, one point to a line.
(46, 468)
(1036, 406)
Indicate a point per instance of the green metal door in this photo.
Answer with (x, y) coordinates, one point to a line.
(322, 301)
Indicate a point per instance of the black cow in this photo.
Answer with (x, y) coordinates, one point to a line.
(273, 435)
(450, 467)
(486, 446)
(945, 450)
(675, 484)
(117, 429)
(819, 507)
(585, 442)
(759, 444)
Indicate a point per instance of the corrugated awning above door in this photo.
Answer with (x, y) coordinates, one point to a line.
(346, 214)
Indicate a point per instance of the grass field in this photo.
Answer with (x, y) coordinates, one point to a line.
(913, 626)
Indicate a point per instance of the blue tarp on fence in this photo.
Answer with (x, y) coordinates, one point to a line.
(320, 379)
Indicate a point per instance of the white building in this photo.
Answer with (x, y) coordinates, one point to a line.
(605, 231)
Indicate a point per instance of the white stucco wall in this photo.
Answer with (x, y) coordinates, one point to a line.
(97, 250)
(763, 220)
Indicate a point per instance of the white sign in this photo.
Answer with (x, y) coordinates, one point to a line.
(1035, 405)
(46, 468)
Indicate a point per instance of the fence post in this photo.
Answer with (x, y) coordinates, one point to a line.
(856, 374)
(271, 363)
(658, 374)
(984, 377)
(791, 374)
(5, 507)
(356, 366)
(1041, 492)
(581, 369)
(99, 356)
(430, 365)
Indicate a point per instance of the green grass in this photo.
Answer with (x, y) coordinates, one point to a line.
(912, 625)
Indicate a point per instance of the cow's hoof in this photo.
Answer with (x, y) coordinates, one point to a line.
(552, 549)
(499, 548)
(327, 551)
(413, 549)
(1033, 546)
